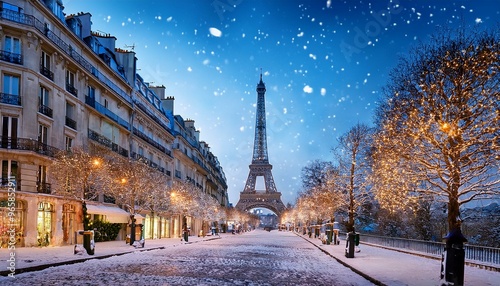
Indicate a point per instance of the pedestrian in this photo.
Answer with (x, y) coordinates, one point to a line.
(185, 232)
(213, 229)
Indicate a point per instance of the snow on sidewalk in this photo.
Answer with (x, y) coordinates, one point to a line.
(31, 257)
(392, 267)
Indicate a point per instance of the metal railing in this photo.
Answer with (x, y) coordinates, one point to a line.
(472, 252)
(70, 123)
(31, 21)
(46, 72)
(45, 110)
(28, 145)
(106, 142)
(43, 188)
(72, 89)
(10, 99)
(103, 110)
(11, 57)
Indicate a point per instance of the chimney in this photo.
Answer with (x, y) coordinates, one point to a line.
(168, 104)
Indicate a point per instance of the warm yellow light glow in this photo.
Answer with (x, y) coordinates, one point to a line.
(445, 127)
(96, 162)
(123, 181)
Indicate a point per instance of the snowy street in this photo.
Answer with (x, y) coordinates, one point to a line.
(254, 258)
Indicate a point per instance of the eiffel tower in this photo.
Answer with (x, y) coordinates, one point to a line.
(269, 198)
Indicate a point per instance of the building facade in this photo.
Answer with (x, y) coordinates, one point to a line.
(62, 86)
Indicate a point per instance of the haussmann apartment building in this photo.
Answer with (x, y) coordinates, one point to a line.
(63, 85)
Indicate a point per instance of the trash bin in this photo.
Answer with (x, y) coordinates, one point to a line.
(350, 243)
(454, 257)
(88, 241)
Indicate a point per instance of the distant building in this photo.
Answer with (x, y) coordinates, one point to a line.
(64, 85)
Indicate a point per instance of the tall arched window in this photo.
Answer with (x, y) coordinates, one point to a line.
(44, 223)
(6, 224)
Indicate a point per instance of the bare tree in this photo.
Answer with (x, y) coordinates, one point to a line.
(438, 127)
(353, 155)
(316, 174)
(80, 174)
(136, 187)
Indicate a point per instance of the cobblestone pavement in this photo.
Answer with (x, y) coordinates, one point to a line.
(253, 258)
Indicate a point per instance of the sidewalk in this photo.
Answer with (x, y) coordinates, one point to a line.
(391, 267)
(38, 258)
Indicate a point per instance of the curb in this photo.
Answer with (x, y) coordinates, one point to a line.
(364, 275)
(74, 261)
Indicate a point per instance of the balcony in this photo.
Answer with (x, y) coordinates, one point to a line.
(45, 110)
(106, 142)
(153, 116)
(71, 89)
(46, 72)
(70, 123)
(28, 145)
(6, 183)
(151, 141)
(103, 110)
(147, 162)
(10, 99)
(11, 57)
(43, 188)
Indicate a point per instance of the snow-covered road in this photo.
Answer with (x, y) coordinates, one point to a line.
(254, 258)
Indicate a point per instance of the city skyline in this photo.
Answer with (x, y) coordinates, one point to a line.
(324, 64)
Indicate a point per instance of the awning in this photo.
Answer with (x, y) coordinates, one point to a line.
(113, 214)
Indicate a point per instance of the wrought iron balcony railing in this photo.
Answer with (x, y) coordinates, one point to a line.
(46, 72)
(103, 110)
(71, 89)
(106, 142)
(11, 57)
(43, 188)
(28, 145)
(70, 123)
(45, 110)
(10, 99)
(30, 20)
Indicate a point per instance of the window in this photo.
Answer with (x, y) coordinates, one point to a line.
(12, 50)
(11, 84)
(68, 143)
(44, 223)
(10, 91)
(9, 221)
(45, 66)
(70, 110)
(91, 92)
(9, 132)
(10, 7)
(42, 185)
(43, 98)
(70, 83)
(9, 171)
(43, 134)
(106, 103)
(45, 60)
(43, 102)
(141, 151)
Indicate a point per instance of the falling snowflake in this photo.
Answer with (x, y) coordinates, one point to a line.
(215, 32)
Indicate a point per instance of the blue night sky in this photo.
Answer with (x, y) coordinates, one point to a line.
(324, 64)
